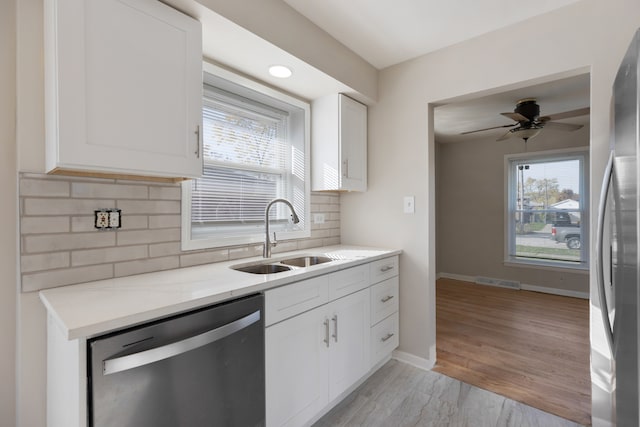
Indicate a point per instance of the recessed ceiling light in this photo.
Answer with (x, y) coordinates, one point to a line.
(280, 71)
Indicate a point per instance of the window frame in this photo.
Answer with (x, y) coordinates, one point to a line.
(214, 75)
(580, 153)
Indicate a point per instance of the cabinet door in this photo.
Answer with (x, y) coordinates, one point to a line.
(350, 334)
(296, 369)
(353, 144)
(123, 88)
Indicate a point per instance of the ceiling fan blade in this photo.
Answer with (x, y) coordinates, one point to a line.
(562, 126)
(516, 117)
(566, 114)
(481, 130)
(506, 136)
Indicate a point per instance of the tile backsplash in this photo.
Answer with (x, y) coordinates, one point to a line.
(60, 246)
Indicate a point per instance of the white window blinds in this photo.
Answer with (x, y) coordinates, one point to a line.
(247, 163)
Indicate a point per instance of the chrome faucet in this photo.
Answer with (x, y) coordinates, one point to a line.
(266, 251)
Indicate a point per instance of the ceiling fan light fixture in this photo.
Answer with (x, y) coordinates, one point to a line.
(526, 133)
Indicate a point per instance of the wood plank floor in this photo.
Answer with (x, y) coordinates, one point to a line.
(527, 346)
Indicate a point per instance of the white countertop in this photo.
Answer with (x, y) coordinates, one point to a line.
(90, 309)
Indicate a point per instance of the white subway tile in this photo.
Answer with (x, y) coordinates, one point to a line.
(150, 207)
(62, 242)
(204, 258)
(44, 188)
(44, 224)
(165, 221)
(165, 193)
(318, 234)
(148, 236)
(108, 191)
(67, 276)
(245, 252)
(331, 241)
(309, 243)
(129, 222)
(289, 245)
(164, 249)
(108, 255)
(130, 268)
(48, 261)
(65, 206)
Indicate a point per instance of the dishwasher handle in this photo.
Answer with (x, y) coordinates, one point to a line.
(123, 363)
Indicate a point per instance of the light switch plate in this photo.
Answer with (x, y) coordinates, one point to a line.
(409, 204)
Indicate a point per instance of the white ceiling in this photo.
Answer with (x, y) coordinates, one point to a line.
(386, 32)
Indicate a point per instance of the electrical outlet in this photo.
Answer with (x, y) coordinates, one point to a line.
(318, 218)
(107, 219)
(102, 219)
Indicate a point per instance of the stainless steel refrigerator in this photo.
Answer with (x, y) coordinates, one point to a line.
(617, 254)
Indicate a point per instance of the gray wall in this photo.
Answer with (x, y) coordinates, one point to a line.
(470, 206)
(587, 36)
(9, 209)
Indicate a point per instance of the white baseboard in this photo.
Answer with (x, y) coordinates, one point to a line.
(555, 291)
(523, 286)
(413, 360)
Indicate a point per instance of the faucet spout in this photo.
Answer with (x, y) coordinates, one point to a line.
(268, 244)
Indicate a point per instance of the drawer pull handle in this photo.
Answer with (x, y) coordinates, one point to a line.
(386, 268)
(387, 298)
(387, 337)
(326, 331)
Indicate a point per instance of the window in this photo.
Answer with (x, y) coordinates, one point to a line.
(255, 149)
(547, 209)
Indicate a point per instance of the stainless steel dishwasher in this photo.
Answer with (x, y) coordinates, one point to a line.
(202, 368)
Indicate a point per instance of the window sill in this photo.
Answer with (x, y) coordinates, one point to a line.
(541, 265)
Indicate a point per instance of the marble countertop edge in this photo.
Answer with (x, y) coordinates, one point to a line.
(90, 309)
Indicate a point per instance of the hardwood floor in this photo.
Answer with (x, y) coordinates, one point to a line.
(527, 346)
(400, 395)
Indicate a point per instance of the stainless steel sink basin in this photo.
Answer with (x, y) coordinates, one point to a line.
(306, 261)
(263, 268)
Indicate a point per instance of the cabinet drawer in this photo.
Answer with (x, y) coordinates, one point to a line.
(384, 299)
(287, 301)
(384, 269)
(348, 281)
(384, 338)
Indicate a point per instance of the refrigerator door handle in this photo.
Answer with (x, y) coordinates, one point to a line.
(604, 308)
(123, 363)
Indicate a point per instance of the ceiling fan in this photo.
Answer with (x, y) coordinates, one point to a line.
(529, 123)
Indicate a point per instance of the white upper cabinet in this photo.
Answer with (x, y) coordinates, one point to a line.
(338, 144)
(123, 89)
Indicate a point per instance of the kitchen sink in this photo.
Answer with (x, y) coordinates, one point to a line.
(269, 266)
(262, 268)
(306, 261)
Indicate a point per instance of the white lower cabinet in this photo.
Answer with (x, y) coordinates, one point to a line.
(349, 341)
(314, 357)
(297, 362)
